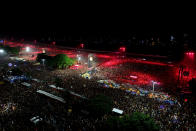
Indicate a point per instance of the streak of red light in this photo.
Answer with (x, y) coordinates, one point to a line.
(113, 62)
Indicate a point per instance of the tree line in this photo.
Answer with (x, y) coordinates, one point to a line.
(11, 50)
(60, 61)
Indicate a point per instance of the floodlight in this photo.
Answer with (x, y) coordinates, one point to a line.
(1, 51)
(27, 49)
(91, 58)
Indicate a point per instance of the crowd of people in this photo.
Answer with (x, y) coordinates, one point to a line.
(167, 116)
(27, 103)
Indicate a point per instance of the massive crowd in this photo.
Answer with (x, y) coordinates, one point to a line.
(24, 103)
(168, 116)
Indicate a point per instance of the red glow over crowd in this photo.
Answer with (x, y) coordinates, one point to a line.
(75, 67)
(128, 73)
(189, 65)
(111, 61)
(104, 56)
(139, 78)
(116, 61)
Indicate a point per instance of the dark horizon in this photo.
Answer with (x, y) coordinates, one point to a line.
(159, 43)
(115, 34)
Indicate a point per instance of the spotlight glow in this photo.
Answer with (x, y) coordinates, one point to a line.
(91, 58)
(1, 51)
(27, 49)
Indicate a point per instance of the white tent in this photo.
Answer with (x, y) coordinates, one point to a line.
(117, 111)
(26, 84)
(51, 96)
(36, 119)
(73, 93)
(58, 88)
(36, 80)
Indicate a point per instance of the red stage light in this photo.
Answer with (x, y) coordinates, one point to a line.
(82, 45)
(122, 49)
(134, 77)
(190, 53)
(185, 100)
(54, 43)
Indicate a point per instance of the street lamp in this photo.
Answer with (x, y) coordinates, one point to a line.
(43, 51)
(79, 58)
(1, 51)
(43, 60)
(27, 49)
(91, 58)
(153, 84)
